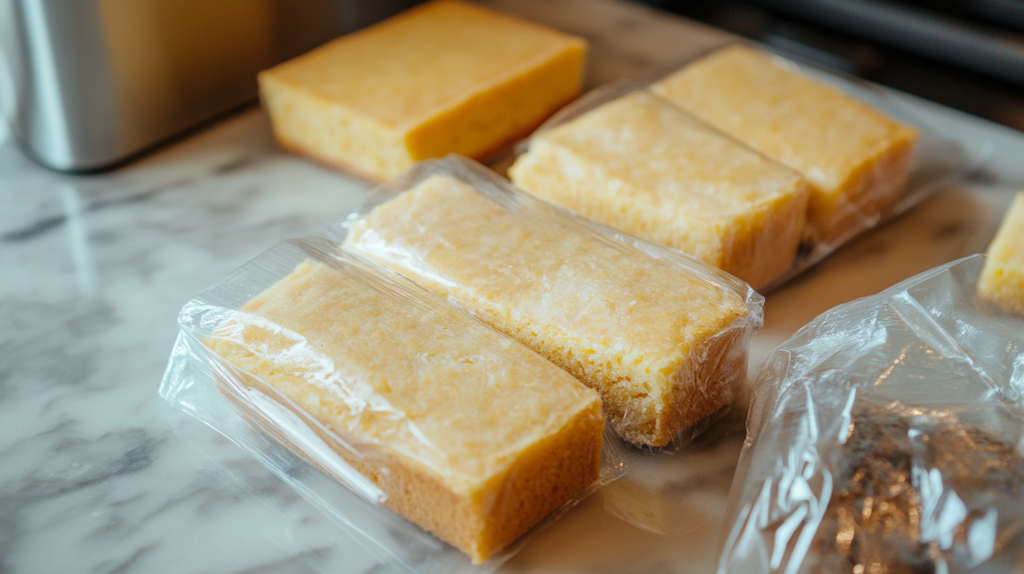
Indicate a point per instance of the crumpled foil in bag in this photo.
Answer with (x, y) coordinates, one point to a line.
(886, 437)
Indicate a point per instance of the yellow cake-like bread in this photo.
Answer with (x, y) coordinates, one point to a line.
(1002, 277)
(641, 164)
(659, 342)
(469, 434)
(856, 159)
(445, 77)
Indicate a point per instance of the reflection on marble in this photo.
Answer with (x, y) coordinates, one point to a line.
(97, 474)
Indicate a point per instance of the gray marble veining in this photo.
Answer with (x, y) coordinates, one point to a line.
(94, 474)
(97, 474)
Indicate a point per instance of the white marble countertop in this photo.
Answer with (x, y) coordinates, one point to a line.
(98, 474)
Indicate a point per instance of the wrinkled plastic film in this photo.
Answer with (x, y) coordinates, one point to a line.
(886, 436)
(937, 160)
(409, 240)
(210, 320)
(332, 461)
(647, 496)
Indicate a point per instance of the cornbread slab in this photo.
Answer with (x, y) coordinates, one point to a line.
(856, 159)
(644, 165)
(661, 336)
(444, 77)
(1002, 278)
(466, 433)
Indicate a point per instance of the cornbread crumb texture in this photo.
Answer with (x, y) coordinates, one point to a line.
(471, 435)
(661, 344)
(444, 77)
(641, 164)
(1002, 276)
(856, 159)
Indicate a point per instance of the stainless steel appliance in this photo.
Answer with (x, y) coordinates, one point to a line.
(86, 84)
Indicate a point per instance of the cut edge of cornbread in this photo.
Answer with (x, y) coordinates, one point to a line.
(874, 187)
(305, 124)
(1002, 276)
(478, 517)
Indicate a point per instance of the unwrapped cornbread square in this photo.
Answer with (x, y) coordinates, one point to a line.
(1002, 277)
(465, 432)
(856, 159)
(444, 77)
(642, 164)
(661, 336)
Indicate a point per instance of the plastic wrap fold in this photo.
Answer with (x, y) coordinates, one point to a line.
(886, 437)
(368, 395)
(662, 336)
(710, 177)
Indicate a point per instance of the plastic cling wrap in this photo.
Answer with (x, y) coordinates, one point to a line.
(663, 337)
(696, 179)
(369, 395)
(886, 437)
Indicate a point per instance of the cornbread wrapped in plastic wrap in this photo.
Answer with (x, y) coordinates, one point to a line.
(367, 394)
(885, 437)
(644, 165)
(764, 168)
(660, 335)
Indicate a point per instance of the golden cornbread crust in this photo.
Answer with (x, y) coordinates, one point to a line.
(1002, 277)
(444, 77)
(643, 165)
(663, 346)
(856, 159)
(477, 498)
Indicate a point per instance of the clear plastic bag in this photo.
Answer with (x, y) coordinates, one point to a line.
(364, 441)
(936, 160)
(662, 336)
(886, 436)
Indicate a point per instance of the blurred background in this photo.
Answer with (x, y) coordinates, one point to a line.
(87, 85)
